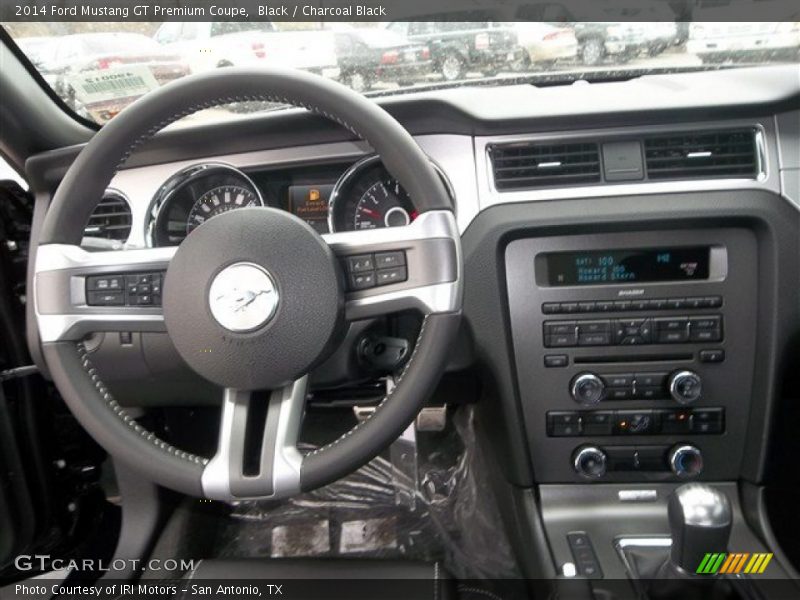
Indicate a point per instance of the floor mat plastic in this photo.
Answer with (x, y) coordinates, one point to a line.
(426, 498)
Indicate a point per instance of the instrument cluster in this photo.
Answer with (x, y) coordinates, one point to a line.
(330, 198)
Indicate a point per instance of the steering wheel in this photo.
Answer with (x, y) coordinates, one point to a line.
(253, 299)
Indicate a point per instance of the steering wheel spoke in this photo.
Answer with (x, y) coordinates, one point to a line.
(77, 292)
(257, 454)
(400, 268)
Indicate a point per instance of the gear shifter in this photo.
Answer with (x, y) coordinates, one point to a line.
(700, 520)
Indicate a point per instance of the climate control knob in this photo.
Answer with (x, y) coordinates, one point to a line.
(686, 460)
(590, 462)
(587, 389)
(685, 386)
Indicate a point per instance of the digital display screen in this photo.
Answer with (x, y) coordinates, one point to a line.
(310, 203)
(603, 267)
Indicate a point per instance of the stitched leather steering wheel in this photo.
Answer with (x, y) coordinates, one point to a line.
(253, 299)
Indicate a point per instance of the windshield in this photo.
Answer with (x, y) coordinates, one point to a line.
(100, 68)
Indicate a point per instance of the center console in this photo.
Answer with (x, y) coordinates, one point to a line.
(634, 352)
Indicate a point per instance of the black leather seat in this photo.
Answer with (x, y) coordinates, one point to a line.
(324, 579)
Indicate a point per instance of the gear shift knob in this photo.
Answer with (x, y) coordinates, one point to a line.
(700, 519)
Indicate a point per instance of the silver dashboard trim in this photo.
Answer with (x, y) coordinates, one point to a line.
(60, 273)
(453, 154)
(464, 161)
(766, 154)
(60, 278)
(438, 297)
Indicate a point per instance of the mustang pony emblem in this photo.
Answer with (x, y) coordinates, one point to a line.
(243, 297)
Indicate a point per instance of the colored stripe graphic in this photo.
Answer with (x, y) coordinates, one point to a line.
(737, 562)
(740, 564)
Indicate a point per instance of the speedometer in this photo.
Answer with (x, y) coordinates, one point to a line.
(217, 201)
(192, 196)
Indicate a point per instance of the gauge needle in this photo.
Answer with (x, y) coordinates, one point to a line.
(370, 213)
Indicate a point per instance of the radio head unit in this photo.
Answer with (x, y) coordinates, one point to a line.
(634, 344)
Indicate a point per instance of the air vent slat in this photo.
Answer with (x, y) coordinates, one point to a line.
(111, 219)
(708, 154)
(531, 165)
(544, 165)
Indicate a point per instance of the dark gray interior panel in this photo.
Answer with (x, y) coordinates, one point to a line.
(726, 384)
(764, 222)
(603, 513)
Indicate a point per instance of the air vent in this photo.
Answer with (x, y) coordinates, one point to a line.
(531, 165)
(111, 219)
(702, 155)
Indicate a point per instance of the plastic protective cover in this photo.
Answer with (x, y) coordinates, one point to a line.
(426, 498)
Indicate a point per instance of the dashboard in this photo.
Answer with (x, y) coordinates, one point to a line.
(329, 198)
(599, 306)
(629, 320)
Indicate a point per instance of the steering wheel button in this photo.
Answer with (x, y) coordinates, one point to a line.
(101, 298)
(384, 260)
(360, 264)
(103, 283)
(389, 276)
(361, 281)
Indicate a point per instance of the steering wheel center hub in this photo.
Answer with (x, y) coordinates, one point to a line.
(253, 299)
(243, 297)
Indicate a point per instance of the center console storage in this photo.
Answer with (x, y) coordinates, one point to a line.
(634, 352)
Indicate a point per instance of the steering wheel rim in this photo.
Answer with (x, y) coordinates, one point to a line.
(433, 285)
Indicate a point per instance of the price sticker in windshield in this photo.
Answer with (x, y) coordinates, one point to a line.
(101, 86)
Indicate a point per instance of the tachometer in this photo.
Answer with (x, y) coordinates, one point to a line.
(384, 204)
(217, 201)
(368, 197)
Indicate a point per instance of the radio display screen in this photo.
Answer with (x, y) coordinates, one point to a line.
(638, 265)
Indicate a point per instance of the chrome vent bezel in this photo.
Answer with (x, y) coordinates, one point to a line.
(603, 186)
(117, 232)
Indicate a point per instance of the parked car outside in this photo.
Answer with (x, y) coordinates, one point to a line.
(367, 56)
(459, 47)
(545, 43)
(211, 45)
(99, 73)
(599, 38)
(719, 42)
(609, 39)
(660, 28)
(220, 44)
